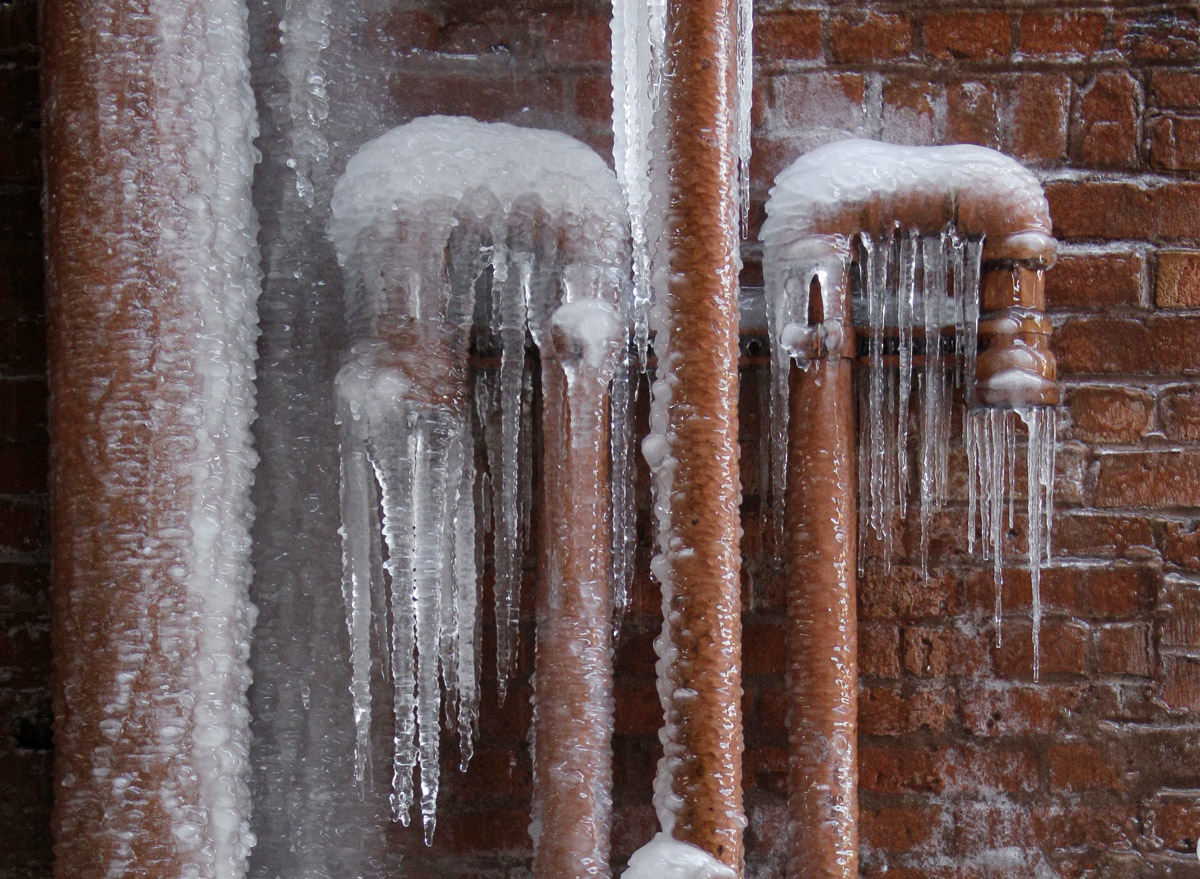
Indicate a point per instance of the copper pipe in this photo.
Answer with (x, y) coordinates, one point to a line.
(822, 631)
(151, 293)
(573, 718)
(1016, 365)
(694, 421)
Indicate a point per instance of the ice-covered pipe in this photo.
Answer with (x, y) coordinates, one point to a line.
(423, 218)
(585, 342)
(822, 632)
(818, 207)
(692, 447)
(153, 279)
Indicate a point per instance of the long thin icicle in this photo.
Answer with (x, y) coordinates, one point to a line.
(745, 99)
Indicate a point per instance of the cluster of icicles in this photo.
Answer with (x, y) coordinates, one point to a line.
(917, 296)
(490, 225)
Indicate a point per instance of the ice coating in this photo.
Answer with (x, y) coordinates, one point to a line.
(850, 186)
(153, 283)
(638, 36)
(424, 218)
(692, 444)
(667, 858)
(573, 702)
(913, 227)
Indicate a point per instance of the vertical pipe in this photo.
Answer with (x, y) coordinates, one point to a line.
(822, 627)
(152, 284)
(573, 714)
(693, 444)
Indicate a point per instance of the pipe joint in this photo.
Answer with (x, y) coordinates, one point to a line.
(1016, 367)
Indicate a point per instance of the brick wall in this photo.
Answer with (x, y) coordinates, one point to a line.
(25, 738)
(969, 768)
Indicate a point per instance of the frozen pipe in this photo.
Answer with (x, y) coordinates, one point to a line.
(152, 283)
(418, 218)
(817, 207)
(822, 631)
(584, 343)
(692, 449)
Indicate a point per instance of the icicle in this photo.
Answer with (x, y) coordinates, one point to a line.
(391, 447)
(359, 532)
(638, 39)
(624, 525)
(510, 326)
(904, 323)
(875, 275)
(933, 295)
(467, 598)
(745, 98)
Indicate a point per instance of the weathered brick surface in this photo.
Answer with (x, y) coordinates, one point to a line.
(970, 769)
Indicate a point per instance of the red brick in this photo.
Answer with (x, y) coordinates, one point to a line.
(490, 832)
(1082, 767)
(1149, 479)
(1095, 280)
(1053, 34)
(833, 101)
(763, 648)
(787, 36)
(940, 651)
(1132, 346)
(633, 827)
(910, 109)
(1063, 649)
(1174, 817)
(904, 594)
(1108, 128)
(906, 828)
(1180, 626)
(25, 655)
(889, 711)
(991, 709)
(578, 38)
(1175, 89)
(1074, 824)
(22, 526)
(593, 98)
(637, 709)
(1180, 682)
(772, 709)
(1114, 591)
(974, 114)
(968, 36)
(19, 93)
(1182, 545)
(1040, 110)
(511, 99)
(23, 467)
(403, 31)
(1177, 284)
(23, 407)
(1101, 535)
(1174, 142)
(1125, 649)
(900, 770)
(24, 591)
(766, 767)
(878, 649)
(1120, 415)
(994, 824)
(1169, 33)
(973, 766)
(870, 36)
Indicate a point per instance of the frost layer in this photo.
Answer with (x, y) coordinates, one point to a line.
(441, 224)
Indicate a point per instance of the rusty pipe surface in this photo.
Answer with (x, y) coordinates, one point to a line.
(574, 711)
(692, 448)
(822, 631)
(152, 280)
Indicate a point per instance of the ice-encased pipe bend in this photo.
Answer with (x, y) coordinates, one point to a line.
(443, 225)
(878, 212)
